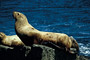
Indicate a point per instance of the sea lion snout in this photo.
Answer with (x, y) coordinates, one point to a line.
(15, 14)
(19, 16)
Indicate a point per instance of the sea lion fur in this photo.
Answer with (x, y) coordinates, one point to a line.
(29, 35)
(13, 40)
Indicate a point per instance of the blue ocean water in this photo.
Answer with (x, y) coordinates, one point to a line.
(71, 17)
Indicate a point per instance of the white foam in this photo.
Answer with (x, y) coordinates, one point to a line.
(84, 49)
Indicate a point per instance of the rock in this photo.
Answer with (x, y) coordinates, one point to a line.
(36, 52)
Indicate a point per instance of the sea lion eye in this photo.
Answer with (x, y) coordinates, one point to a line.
(18, 13)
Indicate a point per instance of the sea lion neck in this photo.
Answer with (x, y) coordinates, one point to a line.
(21, 22)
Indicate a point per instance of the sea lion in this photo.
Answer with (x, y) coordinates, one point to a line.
(13, 40)
(29, 35)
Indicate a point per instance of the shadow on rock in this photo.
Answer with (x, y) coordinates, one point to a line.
(35, 54)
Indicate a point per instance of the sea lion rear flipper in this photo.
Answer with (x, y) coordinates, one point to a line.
(74, 44)
(56, 46)
(51, 44)
(73, 51)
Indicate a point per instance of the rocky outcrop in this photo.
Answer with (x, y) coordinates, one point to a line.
(36, 52)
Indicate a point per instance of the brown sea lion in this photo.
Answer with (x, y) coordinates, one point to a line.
(13, 40)
(29, 35)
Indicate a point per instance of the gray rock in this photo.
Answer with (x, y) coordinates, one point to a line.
(36, 52)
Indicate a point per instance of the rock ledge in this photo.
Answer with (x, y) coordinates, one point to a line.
(37, 52)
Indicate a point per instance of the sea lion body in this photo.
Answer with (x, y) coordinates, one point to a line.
(57, 38)
(29, 35)
(13, 40)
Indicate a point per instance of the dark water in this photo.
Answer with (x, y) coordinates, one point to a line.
(71, 17)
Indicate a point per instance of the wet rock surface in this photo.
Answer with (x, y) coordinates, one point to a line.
(36, 52)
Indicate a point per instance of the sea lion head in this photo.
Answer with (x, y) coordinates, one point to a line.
(2, 35)
(19, 16)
